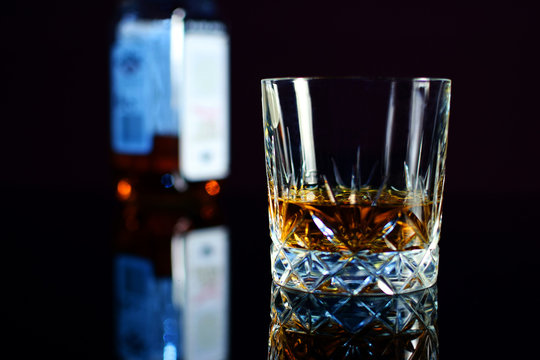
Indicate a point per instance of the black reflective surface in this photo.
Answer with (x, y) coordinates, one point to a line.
(61, 287)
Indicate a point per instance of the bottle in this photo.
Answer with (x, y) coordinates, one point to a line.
(170, 156)
(170, 94)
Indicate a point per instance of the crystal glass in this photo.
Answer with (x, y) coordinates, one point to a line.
(355, 171)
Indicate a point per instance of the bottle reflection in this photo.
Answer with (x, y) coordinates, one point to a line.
(144, 310)
(200, 289)
(180, 316)
(314, 326)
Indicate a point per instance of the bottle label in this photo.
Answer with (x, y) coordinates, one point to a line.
(204, 125)
(131, 124)
(140, 86)
(169, 82)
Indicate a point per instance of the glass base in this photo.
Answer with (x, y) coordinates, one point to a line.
(361, 273)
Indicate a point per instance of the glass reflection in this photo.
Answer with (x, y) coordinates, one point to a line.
(315, 326)
(182, 316)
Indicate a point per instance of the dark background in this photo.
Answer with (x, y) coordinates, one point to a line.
(56, 186)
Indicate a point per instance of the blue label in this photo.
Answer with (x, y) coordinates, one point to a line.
(130, 121)
(141, 86)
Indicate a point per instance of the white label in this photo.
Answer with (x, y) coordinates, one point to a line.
(204, 124)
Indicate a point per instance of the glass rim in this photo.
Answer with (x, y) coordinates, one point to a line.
(358, 78)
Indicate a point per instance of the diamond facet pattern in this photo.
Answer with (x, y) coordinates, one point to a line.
(315, 326)
(359, 273)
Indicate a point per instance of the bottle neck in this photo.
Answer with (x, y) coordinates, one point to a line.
(156, 9)
(161, 9)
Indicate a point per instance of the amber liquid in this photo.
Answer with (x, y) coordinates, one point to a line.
(391, 221)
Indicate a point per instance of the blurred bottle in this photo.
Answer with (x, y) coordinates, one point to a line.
(170, 94)
(170, 156)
